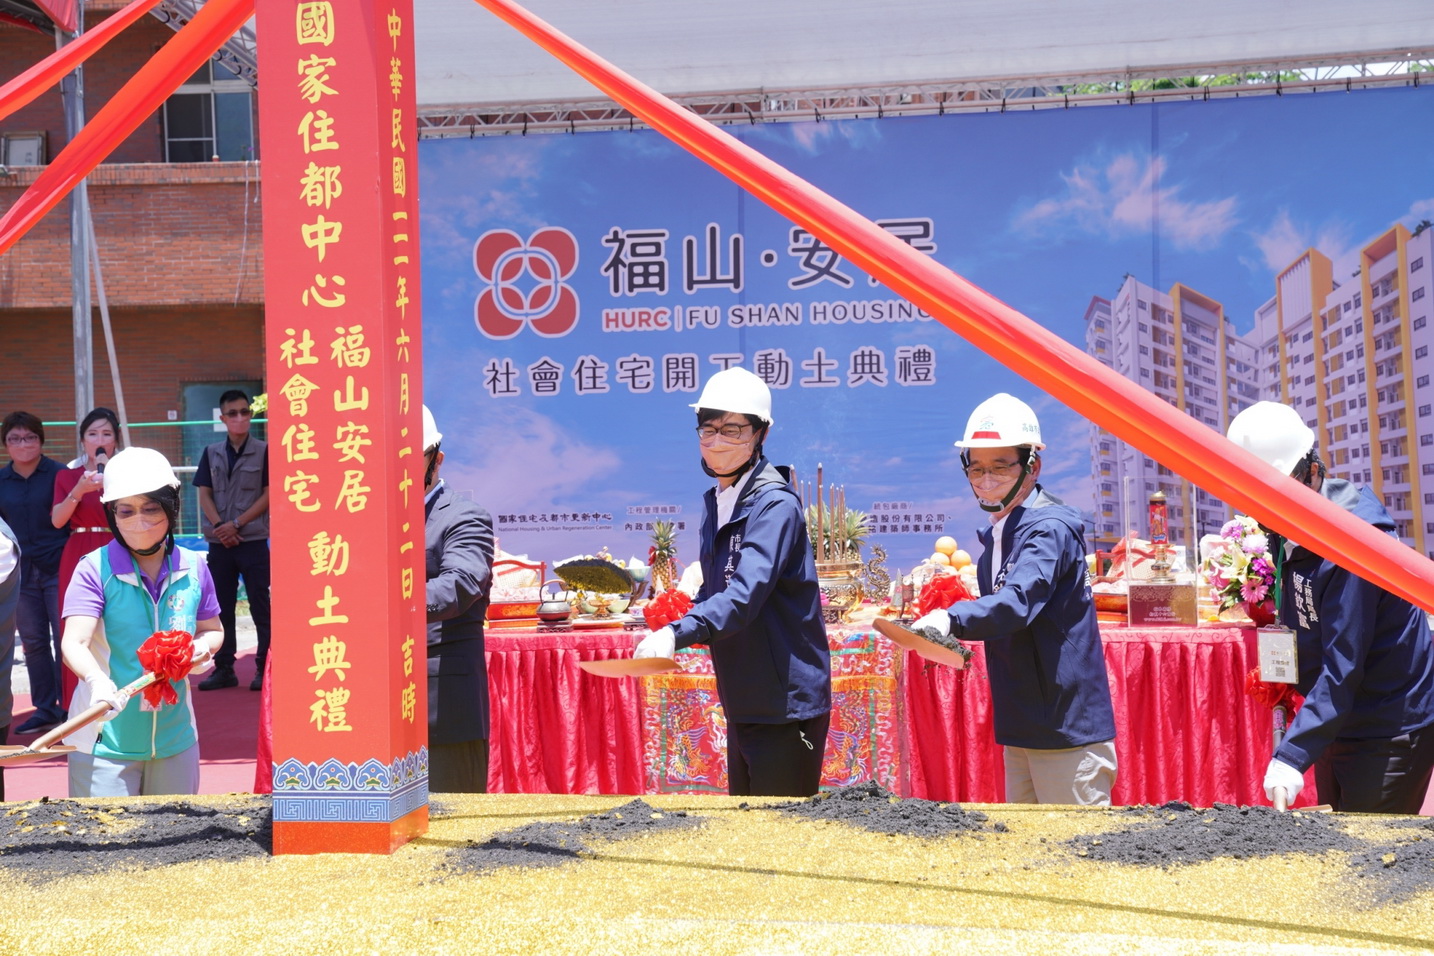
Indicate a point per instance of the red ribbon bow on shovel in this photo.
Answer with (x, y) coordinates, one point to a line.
(167, 655)
(666, 608)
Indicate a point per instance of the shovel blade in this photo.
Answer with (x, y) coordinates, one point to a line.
(19, 756)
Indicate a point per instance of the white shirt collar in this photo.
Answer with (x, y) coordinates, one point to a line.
(727, 497)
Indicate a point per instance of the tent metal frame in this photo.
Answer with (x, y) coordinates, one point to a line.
(1363, 71)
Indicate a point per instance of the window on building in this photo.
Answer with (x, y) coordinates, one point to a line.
(1428, 470)
(1421, 351)
(1426, 439)
(211, 115)
(1415, 296)
(1417, 264)
(1424, 411)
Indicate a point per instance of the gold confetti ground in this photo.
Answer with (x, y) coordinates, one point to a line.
(740, 881)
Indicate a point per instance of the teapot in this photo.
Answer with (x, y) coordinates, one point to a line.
(555, 606)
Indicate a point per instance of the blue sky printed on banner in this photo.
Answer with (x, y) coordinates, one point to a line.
(1043, 210)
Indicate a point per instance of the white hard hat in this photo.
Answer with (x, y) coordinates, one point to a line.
(1002, 421)
(737, 390)
(137, 471)
(1273, 433)
(431, 435)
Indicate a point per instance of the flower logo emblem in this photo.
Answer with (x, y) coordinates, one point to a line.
(526, 282)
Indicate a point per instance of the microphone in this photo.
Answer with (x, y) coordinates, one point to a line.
(100, 458)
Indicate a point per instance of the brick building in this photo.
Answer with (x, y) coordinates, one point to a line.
(180, 247)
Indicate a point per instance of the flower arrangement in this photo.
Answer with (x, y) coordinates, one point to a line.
(1242, 573)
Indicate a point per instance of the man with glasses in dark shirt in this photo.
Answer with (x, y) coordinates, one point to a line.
(232, 480)
(27, 488)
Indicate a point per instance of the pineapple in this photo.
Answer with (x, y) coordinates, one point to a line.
(662, 556)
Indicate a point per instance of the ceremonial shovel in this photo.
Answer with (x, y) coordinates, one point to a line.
(909, 639)
(630, 666)
(40, 749)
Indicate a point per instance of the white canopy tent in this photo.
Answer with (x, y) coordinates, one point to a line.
(782, 56)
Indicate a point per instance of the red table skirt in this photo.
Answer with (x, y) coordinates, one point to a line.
(554, 727)
(1185, 729)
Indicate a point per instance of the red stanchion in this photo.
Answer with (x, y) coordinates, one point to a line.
(1120, 406)
(37, 79)
(136, 101)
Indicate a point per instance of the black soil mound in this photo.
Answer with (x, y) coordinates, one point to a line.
(52, 839)
(550, 844)
(1400, 866)
(869, 806)
(1178, 834)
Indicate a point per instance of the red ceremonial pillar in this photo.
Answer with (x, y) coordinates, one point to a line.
(350, 716)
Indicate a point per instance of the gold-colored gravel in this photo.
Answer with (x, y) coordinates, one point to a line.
(745, 882)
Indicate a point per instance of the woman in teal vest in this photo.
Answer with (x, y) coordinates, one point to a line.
(122, 593)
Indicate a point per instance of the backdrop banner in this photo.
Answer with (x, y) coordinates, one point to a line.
(581, 288)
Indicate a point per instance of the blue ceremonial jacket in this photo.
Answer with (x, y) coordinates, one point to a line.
(1365, 660)
(1049, 688)
(759, 608)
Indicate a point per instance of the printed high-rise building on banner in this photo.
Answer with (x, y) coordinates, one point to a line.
(1346, 343)
(343, 362)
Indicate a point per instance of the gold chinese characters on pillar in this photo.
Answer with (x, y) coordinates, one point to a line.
(344, 372)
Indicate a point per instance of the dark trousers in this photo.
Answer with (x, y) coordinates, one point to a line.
(776, 760)
(249, 560)
(1378, 774)
(37, 618)
(458, 768)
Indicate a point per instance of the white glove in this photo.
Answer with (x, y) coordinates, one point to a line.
(1281, 774)
(939, 619)
(203, 660)
(659, 643)
(103, 690)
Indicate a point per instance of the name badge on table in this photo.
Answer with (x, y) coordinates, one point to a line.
(1279, 663)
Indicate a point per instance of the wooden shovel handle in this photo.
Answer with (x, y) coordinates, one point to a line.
(89, 716)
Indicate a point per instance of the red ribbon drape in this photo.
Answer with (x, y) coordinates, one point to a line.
(37, 79)
(1120, 406)
(136, 101)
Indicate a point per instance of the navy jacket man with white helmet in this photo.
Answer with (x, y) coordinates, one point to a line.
(458, 563)
(759, 607)
(1366, 664)
(1050, 693)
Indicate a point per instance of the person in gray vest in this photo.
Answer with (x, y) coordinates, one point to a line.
(232, 480)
